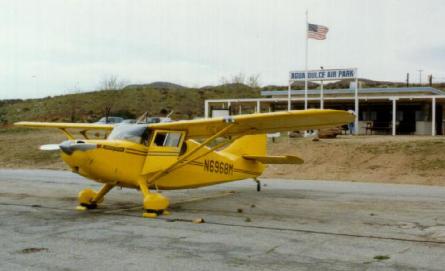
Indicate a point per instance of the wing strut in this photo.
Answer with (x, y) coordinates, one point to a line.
(67, 134)
(84, 133)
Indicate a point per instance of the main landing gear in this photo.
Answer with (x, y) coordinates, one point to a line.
(154, 203)
(88, 198)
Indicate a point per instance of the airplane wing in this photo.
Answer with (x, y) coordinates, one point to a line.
(64, 125)
(83, 127)
(261, 123)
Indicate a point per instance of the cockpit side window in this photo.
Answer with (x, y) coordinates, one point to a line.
(159, 139)
(167, 139)
(172, 139)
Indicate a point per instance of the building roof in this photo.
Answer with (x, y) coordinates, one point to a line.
(380, 91)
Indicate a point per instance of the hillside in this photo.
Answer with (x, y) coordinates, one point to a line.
(129, 102)
(161, 85)
(133, 100)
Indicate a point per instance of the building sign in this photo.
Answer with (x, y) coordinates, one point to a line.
(320, 75)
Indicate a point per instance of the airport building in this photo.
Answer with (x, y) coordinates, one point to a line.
(391, 111)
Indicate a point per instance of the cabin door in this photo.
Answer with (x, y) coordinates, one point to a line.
(163, 150)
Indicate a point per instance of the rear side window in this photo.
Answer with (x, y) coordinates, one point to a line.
(167, 139)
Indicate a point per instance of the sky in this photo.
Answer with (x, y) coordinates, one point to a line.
(53, 47)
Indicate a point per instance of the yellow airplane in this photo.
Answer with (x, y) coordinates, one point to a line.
(181, 154)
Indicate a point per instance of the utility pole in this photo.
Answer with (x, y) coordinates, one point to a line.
(420, 76)
(407, 79)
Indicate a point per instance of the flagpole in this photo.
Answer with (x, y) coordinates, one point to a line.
(305, 75)
(289, 106)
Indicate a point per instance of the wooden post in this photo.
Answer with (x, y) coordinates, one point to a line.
(433, 117)
(394, 116)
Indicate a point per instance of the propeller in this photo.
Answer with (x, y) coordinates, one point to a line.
(49, 147)
(69, 147)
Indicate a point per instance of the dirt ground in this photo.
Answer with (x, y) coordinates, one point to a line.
(400, 159)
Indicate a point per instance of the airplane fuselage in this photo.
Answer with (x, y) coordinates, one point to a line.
(122, 163)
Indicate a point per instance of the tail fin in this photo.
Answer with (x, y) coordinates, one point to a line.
(249, 145)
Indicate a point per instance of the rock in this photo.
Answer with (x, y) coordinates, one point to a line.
(198, 220)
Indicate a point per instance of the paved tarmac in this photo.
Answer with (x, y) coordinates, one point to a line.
(289, 225)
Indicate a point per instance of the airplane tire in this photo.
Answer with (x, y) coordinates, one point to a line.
(155, 202)
(89, 206)
(86, 198)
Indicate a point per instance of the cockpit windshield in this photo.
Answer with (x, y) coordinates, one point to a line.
(131, 132)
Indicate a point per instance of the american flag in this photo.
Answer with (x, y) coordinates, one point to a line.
(317, 32)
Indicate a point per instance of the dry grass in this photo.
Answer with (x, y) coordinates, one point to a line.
(19, 148)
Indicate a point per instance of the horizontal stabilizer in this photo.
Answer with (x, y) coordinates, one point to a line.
(286, 159)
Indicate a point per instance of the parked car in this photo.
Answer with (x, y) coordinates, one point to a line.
(128, 121)
(155, 120)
